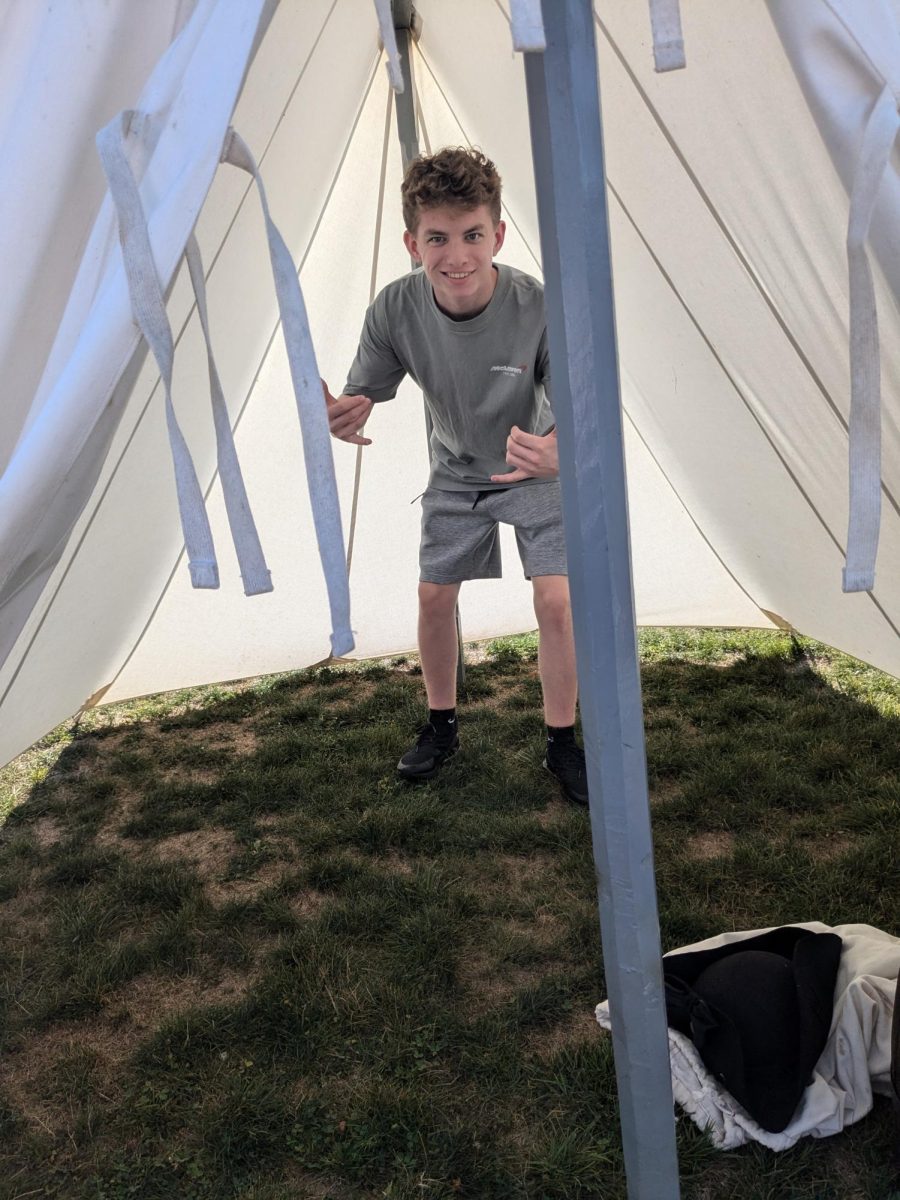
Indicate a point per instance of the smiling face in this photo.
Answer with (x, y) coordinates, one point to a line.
(456, 247)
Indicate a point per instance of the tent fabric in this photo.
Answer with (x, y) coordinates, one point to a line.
(848, 63)
(729, 212)
(854, 1066)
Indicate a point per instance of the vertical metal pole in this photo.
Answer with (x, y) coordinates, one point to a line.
(405, 100)
(567, 148)
(404, 15)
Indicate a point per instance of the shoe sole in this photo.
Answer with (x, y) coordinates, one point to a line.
(565, 791)
(424, 776)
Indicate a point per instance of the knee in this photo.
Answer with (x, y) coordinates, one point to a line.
(437, 601)
(553, 610)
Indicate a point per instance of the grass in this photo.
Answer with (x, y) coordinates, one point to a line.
(239, 959)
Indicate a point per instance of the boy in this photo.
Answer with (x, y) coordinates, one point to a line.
(473, 336)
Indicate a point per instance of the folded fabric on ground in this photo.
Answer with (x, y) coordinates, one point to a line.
(854, 1065)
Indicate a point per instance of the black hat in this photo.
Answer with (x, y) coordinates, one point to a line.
(758, 1011)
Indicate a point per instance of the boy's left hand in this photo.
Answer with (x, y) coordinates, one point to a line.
(532, 456)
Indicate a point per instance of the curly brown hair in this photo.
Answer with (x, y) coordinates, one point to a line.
(455, 175)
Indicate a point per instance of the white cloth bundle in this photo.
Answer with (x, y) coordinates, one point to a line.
(854, 1065)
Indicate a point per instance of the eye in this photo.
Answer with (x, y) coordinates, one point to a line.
(474, 236)
(435, 239)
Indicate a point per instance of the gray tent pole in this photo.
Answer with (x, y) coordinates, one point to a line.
(567, 148)
(404, 19)
(404, 24)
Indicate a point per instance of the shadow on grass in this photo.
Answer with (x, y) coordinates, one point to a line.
(240, 959)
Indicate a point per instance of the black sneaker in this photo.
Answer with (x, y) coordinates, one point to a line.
(565, 760)
(432, 749)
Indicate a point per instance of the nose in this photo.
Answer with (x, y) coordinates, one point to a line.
(458, 254)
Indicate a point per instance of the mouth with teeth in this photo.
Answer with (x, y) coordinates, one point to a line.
(458, 275)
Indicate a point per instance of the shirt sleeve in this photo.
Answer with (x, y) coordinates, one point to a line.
(376, 371)
(542, 372)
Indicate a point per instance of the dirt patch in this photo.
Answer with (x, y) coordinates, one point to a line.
(308, 904)
(233, 739)
(25, 917)
(393, 863)
(579, 1028)
(144, 1003)
(238, 737)
(489, 976)
(828, 847)
(108, 834)
(705, 846)
(209, 850)
(47, 832)
(209, 853)
(35, 1073)
(543, 931)
(246, 887)
(555, 813)
(664, 791)
(491, 984)
(495, 702)
(304, 1185)
(336, 706)
(513, 867)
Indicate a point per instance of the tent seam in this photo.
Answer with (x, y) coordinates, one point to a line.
(420, 115)
(153, 392)
(357, 474)
(462, 130)
(688, 512)
(263, 357)
(699, 328)
(731, 240)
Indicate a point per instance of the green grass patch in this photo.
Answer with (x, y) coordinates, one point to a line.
(239, 960)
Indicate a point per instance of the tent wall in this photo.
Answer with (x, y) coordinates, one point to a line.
(728, 220)
(54, 184)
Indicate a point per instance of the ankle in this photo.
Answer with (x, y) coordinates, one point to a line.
(442, 716)
(561, 735)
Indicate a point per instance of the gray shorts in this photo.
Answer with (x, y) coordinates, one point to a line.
(460, 535)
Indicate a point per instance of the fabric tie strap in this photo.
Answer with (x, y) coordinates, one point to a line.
(149, 310)
(865, 364)
(389, 39)
(527, 22)
(255, 574)
(668, 43)
(311, 408)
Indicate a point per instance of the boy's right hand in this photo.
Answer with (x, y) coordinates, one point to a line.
(347, 415)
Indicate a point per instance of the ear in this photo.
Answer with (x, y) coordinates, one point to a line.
(499, 235)
(411, 245)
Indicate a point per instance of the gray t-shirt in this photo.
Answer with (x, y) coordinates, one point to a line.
(479, 377)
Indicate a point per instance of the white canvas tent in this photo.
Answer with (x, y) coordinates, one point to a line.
(728, 220)
(728, 188)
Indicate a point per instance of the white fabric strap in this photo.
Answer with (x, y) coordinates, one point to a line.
(149, 310)
(311, 408)
(527, 22)
(255, 574)
(389, 38)
(881, 49)
(865, 363)
(668, 43)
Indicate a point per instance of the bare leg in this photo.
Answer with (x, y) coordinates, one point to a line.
(556, 648)
(438, 645)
